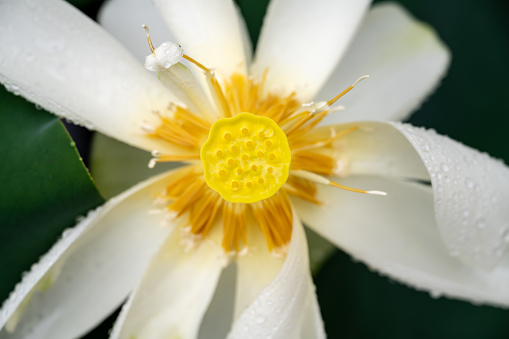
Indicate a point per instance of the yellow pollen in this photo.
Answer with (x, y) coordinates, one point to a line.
(239, 134)
(219, 153)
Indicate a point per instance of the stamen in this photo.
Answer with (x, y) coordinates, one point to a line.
(196, 63)
(321, 180)
(330, 102)
(158, 157)
(145, 27)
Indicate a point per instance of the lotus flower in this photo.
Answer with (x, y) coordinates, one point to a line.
(259, 157)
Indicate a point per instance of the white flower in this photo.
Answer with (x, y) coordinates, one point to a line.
(448, 238)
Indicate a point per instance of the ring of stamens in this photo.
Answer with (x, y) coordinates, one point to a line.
(246, 158)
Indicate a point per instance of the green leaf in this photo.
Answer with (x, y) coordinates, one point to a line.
(117, 166)
(44, 186)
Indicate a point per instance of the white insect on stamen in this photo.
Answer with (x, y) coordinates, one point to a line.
(164, 56)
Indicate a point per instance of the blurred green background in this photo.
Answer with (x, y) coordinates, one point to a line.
(471, 106)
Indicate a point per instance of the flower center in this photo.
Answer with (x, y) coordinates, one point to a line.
(246, 158)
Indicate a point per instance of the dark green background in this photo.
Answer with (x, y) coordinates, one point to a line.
(471, 106)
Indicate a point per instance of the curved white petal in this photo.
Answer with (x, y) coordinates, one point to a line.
(123, 20)
(255, 270)
(398, 236)
(64, 62)
(376, 148)
(471, 192)
(209, 31)
(302, 41)
(90, 271)
(175, 291)
(405, 60)
(279, 308)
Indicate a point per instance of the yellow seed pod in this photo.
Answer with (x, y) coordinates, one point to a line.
(246, 158)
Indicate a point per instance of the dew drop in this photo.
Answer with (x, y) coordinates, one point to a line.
(445, 168)
(260, 319)
(469, 183)
(480, 222)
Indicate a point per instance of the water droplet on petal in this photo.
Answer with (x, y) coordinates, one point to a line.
(260, 319)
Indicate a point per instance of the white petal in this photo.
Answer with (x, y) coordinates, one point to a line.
(123, 19)
(65, 63)
(404, 58)
(279, 308)
(175, 292)
(255, 270)
(302, 41)
(312, 323)
(471, 191)
(376, 148)
(398, 236)
(180, 80)
(209, 31)
(90, 271)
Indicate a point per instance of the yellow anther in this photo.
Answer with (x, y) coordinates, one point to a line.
(272, 156)
(248, 148)
(219, 153)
